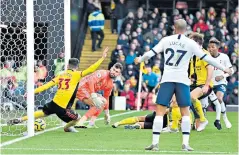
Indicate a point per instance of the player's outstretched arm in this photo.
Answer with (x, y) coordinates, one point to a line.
(206, 57)
(96, 65)
(46, 86)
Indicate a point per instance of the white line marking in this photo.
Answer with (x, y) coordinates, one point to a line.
(113, 150)
(51, 129)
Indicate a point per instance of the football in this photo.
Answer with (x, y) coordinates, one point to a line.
(39, 125)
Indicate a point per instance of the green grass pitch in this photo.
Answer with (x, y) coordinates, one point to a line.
(107, 140)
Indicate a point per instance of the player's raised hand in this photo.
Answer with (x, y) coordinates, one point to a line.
(137, 60)
(105, 52)
(228, 70)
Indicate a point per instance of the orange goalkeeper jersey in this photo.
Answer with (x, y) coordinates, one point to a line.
(97, 81)
(67, 83)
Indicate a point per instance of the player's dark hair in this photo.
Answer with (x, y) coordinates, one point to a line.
(214, 41)
(119, 66)
(73, 63)
(197, 38)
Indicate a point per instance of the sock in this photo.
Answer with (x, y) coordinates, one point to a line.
(70, 124)
(175, 114)
(186, 127)
(218, 109)
(157, 128)
(131, 120)
(92, 120)
(198, 107)
(81, 121)
(224, 115)
(37, 114)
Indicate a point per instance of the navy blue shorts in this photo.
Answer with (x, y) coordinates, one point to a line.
(221, 87)
(167, 90)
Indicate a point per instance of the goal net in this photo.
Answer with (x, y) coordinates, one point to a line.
(49, 57)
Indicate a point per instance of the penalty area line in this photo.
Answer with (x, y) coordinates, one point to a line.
(55, 128)
(113, 150)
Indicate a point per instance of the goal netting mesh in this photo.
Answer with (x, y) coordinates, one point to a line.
(49, 57)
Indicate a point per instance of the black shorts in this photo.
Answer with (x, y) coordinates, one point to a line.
(149, 121)
(192, 87)
(65, 115)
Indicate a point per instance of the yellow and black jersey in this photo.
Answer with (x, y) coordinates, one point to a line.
(198, 70)
(67, 83)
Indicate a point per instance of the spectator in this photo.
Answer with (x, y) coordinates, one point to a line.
(201, 24)
(123, 40)
(115, 52)
(153, 21)
(231, 84)
(7, 74)
(129, 20)
(121, 12)
(90, 7)
(212, 21)
(97, 4)
(113, 21)
(234, 24)
(233, 97)
(223, 18)
(211, 12)
(234, 58)
(152, 36)
(203, 14)
(21, 73)
(198, 17)
(96, 21)
(156, 11)
(59, 64)
(127, 31)
(140, 36)
(139, 19)
(42, 71)
(130, 58)
(145, 28)
(150, 80)
(129, 95)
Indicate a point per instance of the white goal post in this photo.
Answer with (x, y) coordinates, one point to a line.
(32, 32)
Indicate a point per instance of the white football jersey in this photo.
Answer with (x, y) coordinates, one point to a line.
(224, 60)
(178, 50)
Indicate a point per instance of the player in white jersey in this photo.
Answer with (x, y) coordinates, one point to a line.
(219, 80)
(178, 50)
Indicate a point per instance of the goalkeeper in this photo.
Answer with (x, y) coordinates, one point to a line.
(63, 100)
(101, 80)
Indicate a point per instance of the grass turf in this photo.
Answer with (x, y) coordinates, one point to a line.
(107, 140)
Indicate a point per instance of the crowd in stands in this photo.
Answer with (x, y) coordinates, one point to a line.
(14, 77)
(139, 31)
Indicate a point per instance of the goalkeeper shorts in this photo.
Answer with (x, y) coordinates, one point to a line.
(65, 115)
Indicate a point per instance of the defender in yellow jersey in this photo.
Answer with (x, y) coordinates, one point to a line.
(201, 76)
(63, 100)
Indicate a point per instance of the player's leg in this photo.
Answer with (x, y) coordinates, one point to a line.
(195, 94)
(216, 102)
(93, 118)
(47, 110)
(220, 95)
(165, 94)
(183, 98)
(128, 121)
(70, 117)
(175, 119)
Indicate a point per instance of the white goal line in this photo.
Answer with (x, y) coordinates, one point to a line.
(113, 150)
(55, 128)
